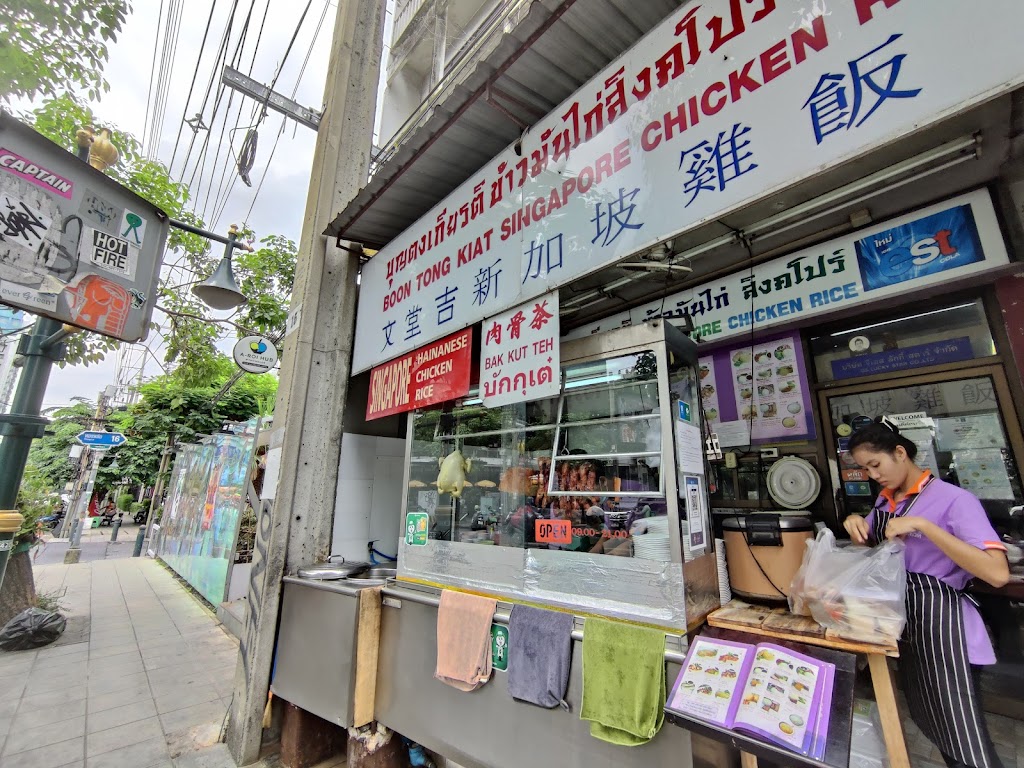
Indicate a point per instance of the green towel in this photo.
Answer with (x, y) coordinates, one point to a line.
(623, 681)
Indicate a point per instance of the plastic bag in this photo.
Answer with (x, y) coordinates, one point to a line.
(858, 592)
(30, 629)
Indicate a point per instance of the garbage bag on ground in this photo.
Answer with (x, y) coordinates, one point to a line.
(30, 629)
(858, 592)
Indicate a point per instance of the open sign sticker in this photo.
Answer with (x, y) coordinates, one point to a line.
(553, 531)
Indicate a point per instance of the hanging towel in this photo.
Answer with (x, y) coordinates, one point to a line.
(464, 640)
(623, 681)
(539, 656)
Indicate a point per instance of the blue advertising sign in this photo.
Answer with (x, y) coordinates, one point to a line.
(918, 356)
(11, 320)
(101, 439)
(927, 246)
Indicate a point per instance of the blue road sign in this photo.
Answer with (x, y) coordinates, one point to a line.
(101, 439)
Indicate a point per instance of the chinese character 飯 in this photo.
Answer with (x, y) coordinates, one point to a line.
(830, 106)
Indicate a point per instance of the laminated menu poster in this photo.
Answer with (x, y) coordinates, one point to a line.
(757, 393)
(765, 690)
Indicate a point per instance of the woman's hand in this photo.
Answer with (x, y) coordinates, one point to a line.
(857, 527)
(898, 527)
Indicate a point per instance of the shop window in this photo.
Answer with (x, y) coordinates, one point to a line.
(912, 339)
(590, 459)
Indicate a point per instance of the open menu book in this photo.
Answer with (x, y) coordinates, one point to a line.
(766, 690)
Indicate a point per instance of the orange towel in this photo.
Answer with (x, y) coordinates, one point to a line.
(464, 640)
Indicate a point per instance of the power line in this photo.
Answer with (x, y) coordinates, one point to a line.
(171, 45)
(195, 75)
(152, 74)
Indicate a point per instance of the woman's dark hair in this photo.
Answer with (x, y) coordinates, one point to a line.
(882, 437)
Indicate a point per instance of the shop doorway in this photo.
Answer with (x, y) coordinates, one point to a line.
(965, 427)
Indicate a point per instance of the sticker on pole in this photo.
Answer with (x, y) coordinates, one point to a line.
(255, 354)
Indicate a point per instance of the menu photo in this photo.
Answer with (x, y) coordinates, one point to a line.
(765, 690)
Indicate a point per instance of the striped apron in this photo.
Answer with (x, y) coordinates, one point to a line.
(935, 670)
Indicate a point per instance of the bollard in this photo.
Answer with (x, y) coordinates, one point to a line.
(10, 522)
(139, 541)
(114, 528)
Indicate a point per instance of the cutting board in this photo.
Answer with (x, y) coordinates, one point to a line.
(738, 612)
(782, 620)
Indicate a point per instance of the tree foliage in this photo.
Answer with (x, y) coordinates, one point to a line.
(48, 46)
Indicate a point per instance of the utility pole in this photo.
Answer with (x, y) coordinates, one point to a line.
(296, 527)
(82, 509)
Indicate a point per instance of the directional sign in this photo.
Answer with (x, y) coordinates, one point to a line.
(101, 439)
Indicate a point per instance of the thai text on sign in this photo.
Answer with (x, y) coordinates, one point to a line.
(723, 104)
(519, 354)
(432, 374)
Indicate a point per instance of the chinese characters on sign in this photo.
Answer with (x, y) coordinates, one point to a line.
(432, 374)
(519, 355)
(719, 106)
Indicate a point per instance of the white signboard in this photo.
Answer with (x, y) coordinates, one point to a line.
(255, 354)
(109, 253)
(837, 274)
(720, 105)
(520, 354)
(983, 472)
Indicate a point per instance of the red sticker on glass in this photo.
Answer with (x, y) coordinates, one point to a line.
(553, 531)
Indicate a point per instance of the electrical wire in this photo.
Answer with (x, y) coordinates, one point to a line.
(295, 90)
(192, 85)
(171, 44)
(152, 74)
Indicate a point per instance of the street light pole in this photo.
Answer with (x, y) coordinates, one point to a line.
(81, 510)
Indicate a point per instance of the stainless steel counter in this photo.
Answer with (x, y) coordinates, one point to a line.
(488, 728)
(316, 647)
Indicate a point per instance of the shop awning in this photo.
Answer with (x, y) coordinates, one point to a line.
(535, 66)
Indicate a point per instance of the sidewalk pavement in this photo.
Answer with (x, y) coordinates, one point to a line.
(95, 545)
(141, 678)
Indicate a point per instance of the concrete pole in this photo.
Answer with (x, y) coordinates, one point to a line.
(82, 510)
(296, 528)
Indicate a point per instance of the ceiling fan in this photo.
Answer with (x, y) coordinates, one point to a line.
(657, 260)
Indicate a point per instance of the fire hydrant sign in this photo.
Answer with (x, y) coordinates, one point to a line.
(432, 374)
(519, 355)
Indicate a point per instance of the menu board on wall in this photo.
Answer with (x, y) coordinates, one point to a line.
(757, 393)
(982, 430)
(983, 472)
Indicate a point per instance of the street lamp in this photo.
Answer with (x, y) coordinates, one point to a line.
(220, 290)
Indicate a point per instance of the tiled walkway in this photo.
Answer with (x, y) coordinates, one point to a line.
(142, 677)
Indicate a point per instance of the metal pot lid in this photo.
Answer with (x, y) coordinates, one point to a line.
(793, 482)
(330, 571)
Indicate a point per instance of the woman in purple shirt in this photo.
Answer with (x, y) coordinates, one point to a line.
(949, 540)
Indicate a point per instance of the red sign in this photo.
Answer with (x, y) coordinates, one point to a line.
(431, 374)
(855, 475)
(553, 531)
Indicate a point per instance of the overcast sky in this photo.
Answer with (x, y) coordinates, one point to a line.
(279, 206)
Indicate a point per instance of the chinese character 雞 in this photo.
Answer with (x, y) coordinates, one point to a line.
(540, 316)
(544, 257)
(613, 217)
(388, 329)
(515, 323)
(829, 105)
(712, 166)
(412, 322)
(486, 283)
(446, 304)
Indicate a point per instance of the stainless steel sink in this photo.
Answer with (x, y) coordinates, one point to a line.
(372, 577)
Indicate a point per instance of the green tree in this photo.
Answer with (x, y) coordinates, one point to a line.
(47, 46)
(48, 457)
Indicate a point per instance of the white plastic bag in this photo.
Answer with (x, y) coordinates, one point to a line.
(858, 592)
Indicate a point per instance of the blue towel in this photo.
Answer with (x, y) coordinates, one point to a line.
(539, 656)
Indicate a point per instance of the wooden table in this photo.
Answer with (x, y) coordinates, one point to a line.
(780, 624)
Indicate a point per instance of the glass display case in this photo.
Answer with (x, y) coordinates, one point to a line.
(573, 499)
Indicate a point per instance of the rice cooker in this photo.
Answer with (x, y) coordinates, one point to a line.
(764, 551)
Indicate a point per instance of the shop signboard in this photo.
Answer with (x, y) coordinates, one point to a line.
(75, 245)
(757, 393)
(432, 374)
(721, 105)
(255, 354)
(904, 359)
(831, 277)
(520, 356)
